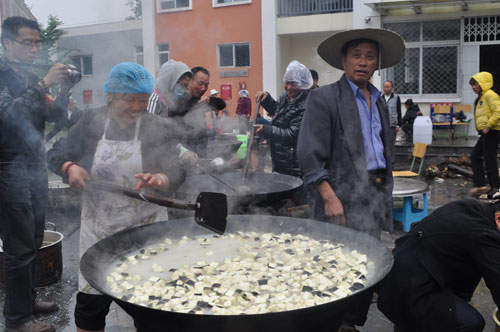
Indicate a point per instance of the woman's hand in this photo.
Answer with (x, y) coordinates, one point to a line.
(158, 180)
(77, 176)
(189, 158)
(486, 130)
(261, 95)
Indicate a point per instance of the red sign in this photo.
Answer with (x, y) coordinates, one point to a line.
(226, 91)
(87, 97)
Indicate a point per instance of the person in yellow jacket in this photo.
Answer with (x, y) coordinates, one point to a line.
(487, 118)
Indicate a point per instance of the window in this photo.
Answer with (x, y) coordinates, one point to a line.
(173, 5)
(234, 55)
(139, 55)
(83, 63)
(222, 3)
(163, 53)
(430, 66)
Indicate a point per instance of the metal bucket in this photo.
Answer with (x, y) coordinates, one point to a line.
(48, 263)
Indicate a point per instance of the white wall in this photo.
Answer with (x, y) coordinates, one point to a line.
(270, 48)
(303, 48)
(148, 36)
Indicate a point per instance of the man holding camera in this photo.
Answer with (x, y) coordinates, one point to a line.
(23, 170)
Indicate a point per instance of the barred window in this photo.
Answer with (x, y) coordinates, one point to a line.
(480, 29)
(430, 65)
(234, 55)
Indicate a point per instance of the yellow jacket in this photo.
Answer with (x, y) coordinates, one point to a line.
(487, 112)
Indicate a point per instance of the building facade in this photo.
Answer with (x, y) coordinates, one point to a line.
(10, 8)
(94, 50)
(223, 36)
(446, 43)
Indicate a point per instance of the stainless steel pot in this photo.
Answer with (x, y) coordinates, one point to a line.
(48, 262)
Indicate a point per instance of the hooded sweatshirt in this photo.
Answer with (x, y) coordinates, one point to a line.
(487, 111)
(162, 97)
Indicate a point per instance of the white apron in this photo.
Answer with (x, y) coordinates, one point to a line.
(103, 213)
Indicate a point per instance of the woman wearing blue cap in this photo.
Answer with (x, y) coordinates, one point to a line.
(120, 144)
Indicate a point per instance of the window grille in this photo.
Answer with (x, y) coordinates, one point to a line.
(234, 55)
(430, 66)
(481, 29)
(439, 75)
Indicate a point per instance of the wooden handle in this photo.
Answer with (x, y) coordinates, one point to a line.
(250, 143)
(132, 193)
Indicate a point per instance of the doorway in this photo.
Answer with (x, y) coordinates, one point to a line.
(488, 61)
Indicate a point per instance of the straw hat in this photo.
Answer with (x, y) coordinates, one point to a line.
(391, 46)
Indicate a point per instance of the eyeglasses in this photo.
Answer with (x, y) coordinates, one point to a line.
(29, 43)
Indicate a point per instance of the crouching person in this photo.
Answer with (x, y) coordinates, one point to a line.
(438, 265)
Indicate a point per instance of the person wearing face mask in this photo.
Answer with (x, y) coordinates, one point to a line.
(171, 85)
(170, 99)
(287, 115)
(120, 144)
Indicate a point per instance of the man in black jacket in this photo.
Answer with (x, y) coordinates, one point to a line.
(438, 265)
(23, 168)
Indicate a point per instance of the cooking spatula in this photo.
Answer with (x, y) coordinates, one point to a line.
(210, 209)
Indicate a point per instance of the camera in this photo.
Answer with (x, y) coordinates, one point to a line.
(73, 74)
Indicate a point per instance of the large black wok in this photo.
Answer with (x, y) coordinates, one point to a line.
(266, 189)
(325, 317)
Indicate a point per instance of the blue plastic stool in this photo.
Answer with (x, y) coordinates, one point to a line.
(407, 214)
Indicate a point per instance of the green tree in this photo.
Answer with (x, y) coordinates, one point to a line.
(49, 52)
(136, 8)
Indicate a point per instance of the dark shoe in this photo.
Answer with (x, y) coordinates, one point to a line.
(42, 307)
(32, 326)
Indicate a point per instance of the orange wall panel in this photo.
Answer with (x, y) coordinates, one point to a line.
(193, 36)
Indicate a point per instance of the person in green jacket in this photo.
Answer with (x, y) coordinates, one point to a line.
(486, 116)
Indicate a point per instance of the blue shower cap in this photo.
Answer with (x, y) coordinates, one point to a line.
(129, 77)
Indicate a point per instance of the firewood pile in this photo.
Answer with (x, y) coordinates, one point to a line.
(451, 167)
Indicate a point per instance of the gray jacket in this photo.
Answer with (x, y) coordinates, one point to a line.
(330, 147)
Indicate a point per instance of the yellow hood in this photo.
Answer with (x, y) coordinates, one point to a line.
(485, 80)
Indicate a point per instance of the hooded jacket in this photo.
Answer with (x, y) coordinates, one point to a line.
(162, 99)
(487, 108)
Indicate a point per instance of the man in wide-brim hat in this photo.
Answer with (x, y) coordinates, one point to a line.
(344, 146)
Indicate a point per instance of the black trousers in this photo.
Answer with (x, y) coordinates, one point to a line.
(468, 318)
(23, 203)
(486, 149)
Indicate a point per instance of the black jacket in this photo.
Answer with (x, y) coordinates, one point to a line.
(158, 153)
(23, 113)
(444, 255)
(411, 114)
(64, 122)
(284, 131)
